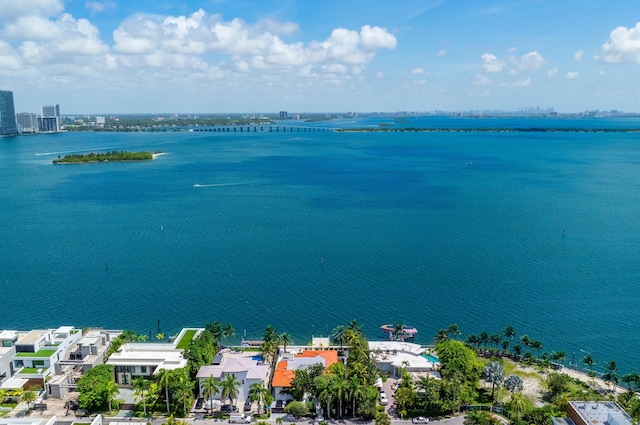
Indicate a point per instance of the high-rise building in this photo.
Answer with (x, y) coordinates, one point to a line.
(283, 115)
(7, 114)
(27, 122)
(49, 118)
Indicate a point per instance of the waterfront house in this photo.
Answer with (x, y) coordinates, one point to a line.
(37, 352)
(289, 363)
(248, 368)
(8, 341)
(146, 359)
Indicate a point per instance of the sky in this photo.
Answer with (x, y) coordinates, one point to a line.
(250, 56)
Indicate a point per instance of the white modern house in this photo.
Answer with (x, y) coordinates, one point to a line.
(146, 359)
(37, 352)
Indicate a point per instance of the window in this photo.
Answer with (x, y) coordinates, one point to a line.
(143, 369)
(38, 363)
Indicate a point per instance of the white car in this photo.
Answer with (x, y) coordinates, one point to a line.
(420, 420)
(383, 399)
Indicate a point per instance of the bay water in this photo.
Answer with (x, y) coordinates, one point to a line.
(308, 230)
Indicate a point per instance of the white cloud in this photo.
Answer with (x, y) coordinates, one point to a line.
(481, 80)
(491, 63)
(578, 55)
(12, 9)
(530, 61)
(99, 6)
(571, 75)
(623, 46)
(441, 53)
(552, 72)
(255, 45)
(417, 71)
(522, 83)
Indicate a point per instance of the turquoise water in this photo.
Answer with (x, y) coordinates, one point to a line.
(431, 358)
(534, 230)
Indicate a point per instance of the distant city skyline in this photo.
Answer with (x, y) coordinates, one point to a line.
(219, 56)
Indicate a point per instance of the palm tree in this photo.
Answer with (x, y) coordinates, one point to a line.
(340, 388)
(164, 379)
(611, 373)
(355, 327)
(230, 387)
(339, 334)
(112, 390)
(285, 338)
(356, 392)
(398, 330)
(509, 332)
(28, 397)
(184, 387)
(140, 386)
(270, 334)
(517, 404)
(227, 332)
(484, 339)
(453, 330)
(589, 362)
(495, 340)
(257, 392)
(279, 420)
(210, 387)
(441, 336)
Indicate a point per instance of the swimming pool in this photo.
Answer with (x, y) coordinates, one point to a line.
(257, 358)
(430, 357)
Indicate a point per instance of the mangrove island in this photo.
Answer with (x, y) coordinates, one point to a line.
(104, 157)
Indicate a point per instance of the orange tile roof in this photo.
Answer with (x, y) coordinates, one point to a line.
(330, 356)
(282, 376)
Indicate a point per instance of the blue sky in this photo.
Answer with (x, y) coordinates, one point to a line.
(136, 56)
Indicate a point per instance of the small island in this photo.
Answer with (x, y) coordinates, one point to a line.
(105, 157)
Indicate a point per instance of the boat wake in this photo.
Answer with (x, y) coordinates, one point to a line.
(221, 184)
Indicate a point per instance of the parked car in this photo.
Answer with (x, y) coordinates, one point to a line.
(239, 419)
(420, 420)
(247, 405)
(199, 403)
(228, 408)
(383, 399)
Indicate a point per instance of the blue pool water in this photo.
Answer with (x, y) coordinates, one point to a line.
(430, 357)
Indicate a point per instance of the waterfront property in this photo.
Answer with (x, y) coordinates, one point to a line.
(145, 359)
(391, 356)
(290, 362)
(36, 354)
(247, 367)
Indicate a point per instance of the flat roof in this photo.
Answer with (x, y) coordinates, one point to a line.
(4, 335)
(14, 383)
(33, 336)
(601, 412)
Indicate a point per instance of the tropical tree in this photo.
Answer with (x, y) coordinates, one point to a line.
(631, 379)
(285, 338)
(112, 391)
(513, 383)
(399, 330)
(509, 332)
(184, 386)
(517, 403)
(611, 373)
(210, 387)
(453, 330)
(589, 362)
(164, 380)
(484, 339)
(441, 336)
(494, 373)
(382, 419)
(495, 340)
(140, 388)
(230, 387)
(270, 334)
(355, 327)
(28, 396)
(227, 332)
(340, 387)
(257, 392)
(297, 409)
(339, 335)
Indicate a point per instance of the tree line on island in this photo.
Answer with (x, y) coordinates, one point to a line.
(104, 157)
(477, 373)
